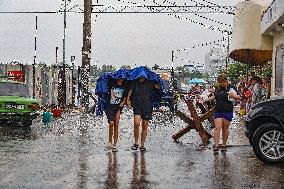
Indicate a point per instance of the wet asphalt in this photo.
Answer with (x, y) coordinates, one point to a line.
(70, 153)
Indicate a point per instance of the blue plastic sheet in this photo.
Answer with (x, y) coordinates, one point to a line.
(129, 75)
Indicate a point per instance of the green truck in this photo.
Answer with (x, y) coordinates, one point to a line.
(16, 104)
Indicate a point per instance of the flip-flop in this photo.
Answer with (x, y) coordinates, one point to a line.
(134, 146)
(223, 148)
(215, 148)
(142, 149)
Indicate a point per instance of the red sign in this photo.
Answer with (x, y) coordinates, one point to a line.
(17, 75)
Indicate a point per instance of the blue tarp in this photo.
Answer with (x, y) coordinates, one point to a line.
(129, 75)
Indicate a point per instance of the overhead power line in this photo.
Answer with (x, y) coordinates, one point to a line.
(201, 45)
(197, 14)
(30, 12)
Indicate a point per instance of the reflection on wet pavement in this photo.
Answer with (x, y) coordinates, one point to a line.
(69, 153)
(83, 153)
(112, 181)
(139, 171)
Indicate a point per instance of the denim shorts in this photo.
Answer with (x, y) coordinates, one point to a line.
(226, 115)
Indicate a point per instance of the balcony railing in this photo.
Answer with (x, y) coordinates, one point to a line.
(272, 15)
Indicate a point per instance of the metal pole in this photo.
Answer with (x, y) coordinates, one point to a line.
(64, 59)
(172, 59)
(64, 34)
(34, 60)
(73, 81)
(228, 48)
(79, 85)
(86, 53)
(56, 57)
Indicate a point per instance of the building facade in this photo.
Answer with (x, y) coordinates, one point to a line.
(215, 60)
(272, 24)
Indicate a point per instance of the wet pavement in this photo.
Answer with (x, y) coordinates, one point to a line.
(70, 153)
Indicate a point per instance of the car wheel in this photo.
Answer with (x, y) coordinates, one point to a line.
(27, 123)
(268, 143)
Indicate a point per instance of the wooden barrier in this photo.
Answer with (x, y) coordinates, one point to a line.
(194, 123)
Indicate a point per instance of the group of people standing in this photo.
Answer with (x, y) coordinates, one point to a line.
(136, 94)
(254, 91)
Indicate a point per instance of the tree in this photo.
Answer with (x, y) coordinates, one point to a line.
(95, 72)
(196, 74)
(184, 73)
(108, 68)
(206, 76)
(235, 71)
(125, 67)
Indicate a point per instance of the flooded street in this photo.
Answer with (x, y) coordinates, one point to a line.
(70, 153)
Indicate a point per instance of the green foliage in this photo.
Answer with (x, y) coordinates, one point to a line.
(196, 74)
(184, 73)
(125, 67)
(96, 71)
(108, 68)
(235, 71)
(206, 76)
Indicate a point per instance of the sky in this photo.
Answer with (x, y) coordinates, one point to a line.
(117, 39)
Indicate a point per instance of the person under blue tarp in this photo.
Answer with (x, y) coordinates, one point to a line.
(145, 92)
(129, 75)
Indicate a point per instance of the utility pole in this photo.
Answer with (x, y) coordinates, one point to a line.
(34, 60)
(86, 53)
(64, 59)
(62, 69)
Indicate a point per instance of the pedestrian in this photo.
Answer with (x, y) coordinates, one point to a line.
(242, 89)
(255, 88)
(140, 98)
(223, 95)
(56, 111)
(46, 116)
(267, 88)
(116, 98)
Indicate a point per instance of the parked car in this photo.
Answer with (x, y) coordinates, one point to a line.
(265, 130)
(15, 103)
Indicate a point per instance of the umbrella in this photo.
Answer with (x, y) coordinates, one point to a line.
(195, 80)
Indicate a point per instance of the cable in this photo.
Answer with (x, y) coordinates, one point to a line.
(200, 45)
(184, 60)
(204, 16)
